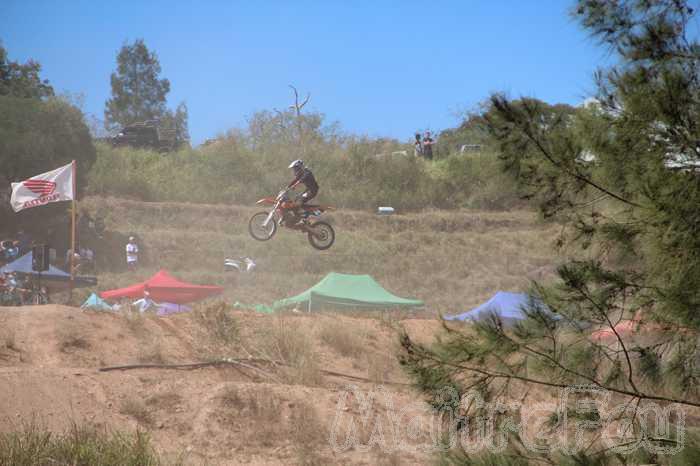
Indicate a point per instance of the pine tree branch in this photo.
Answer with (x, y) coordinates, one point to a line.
(428, 355)
(617, 336)
(526, 130)
(619, 391)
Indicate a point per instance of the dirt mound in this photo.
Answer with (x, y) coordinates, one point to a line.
(331, 395)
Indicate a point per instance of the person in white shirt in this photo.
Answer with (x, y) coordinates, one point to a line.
(146, 303)
(132, 253)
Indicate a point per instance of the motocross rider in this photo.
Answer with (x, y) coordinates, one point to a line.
(302, 175)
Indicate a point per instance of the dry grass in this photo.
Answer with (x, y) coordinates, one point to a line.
(218, 335)
(335, 334)
(152, 353)
(307, 434)
(265, 419)
(388, 459)
(287, 341)
(381, 366)
(137, 409)
(8, 339)
(164, 401)
(69, 343)
(306, 371)
(8, 345)
(135, 321)
(263, 410)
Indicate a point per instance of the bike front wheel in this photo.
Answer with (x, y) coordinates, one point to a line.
(258, 230)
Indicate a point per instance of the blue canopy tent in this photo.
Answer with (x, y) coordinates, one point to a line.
(509, 307)
(53, 278)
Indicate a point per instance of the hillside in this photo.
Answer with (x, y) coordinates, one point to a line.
(449, 259)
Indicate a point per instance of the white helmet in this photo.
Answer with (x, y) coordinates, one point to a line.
(298, 164)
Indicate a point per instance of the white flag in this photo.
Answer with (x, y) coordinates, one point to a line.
(53, 186)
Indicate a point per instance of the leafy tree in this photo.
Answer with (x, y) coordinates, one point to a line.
(38, 132)
(37, 136)
(138, 94)
(22, 80)
(622, 176)
(474, 127)
(177, 121)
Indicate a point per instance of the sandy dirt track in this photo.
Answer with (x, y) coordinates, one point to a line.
(50, 356)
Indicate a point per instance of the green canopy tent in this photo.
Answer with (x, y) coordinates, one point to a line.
(347, 291)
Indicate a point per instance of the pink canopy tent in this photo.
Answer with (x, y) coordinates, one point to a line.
(625, 328)
(166, 288)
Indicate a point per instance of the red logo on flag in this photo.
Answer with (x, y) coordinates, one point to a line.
(40, 187)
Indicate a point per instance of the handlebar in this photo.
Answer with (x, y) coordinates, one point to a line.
(283, 193)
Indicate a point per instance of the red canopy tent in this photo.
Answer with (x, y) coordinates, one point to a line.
(166, 288)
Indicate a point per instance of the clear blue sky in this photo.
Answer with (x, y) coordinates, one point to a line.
(377, 67)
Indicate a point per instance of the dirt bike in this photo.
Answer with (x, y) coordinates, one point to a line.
(263, 225)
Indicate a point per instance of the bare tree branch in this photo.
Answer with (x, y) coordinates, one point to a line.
(298, 106)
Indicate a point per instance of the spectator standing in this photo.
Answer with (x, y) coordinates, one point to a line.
(9, 251)
(417, 146)
(75, 263)
(4, 245)
(428, 146)
(15, 288)
(132, 253)
(23, 242)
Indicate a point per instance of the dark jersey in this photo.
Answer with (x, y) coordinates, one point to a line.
(306, 178)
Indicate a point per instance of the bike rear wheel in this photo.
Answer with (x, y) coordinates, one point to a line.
(260, 232)
(322, 235)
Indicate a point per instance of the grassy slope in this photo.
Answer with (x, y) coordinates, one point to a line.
(450, 259)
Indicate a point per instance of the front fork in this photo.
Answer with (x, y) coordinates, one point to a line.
(269, 218)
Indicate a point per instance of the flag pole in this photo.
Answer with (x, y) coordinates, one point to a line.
(72, 236)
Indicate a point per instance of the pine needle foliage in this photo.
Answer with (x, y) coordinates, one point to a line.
(622, 174)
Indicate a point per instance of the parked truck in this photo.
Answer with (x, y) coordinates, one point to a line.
(148, 134)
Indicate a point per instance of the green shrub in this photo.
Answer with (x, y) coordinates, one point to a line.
(475, 181)
(351, 175)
